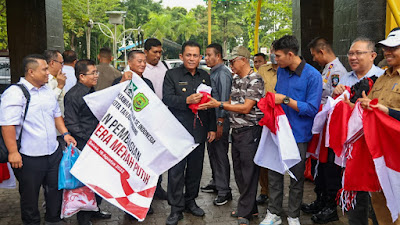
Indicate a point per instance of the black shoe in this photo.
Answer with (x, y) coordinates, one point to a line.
(222, 200)
(209, 188)
(102, 215)
(326, 215)
(194, 210)
(173, 218)
(160, 193)
(313, 207)
(261, 199)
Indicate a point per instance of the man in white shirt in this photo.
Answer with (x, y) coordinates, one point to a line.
(155, 68)
(70, 59)
(155, 72)
(36, 162)
(57, 79)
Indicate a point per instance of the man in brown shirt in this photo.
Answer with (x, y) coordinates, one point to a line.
(107, 73)
(386, 89)
(268, 73)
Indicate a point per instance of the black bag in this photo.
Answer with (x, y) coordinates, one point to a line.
(3, 148)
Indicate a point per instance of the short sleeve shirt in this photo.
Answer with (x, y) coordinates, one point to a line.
(387, 89)
(331, 78)
(249, 87)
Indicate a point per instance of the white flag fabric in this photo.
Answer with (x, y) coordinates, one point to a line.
(135, 141)
(10, 183)
(277, 150)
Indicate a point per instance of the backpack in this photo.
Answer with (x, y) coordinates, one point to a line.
(3, 148)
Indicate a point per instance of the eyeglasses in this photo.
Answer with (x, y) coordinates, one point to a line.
(234, 60)
(93, 73)
(62, 63)
(357, 53)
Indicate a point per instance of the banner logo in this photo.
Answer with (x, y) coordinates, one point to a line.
(139, 102)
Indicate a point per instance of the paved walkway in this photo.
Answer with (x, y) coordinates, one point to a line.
(215, 215)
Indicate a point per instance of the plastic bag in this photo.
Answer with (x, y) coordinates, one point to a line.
(76, 200)
(65, 179)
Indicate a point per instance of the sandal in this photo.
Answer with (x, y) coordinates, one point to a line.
(243, 221)
(234, 214)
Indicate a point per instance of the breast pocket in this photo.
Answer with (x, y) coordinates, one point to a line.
(393, 100)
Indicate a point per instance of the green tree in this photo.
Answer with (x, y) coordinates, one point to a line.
(159, 26)
(187, 26)
(3, 26)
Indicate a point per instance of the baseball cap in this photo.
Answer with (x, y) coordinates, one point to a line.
(392, 40)
(238, 51)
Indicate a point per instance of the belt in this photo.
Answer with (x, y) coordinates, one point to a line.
(242, 129)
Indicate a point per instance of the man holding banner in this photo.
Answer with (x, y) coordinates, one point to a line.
(81, 122)
(179, 91)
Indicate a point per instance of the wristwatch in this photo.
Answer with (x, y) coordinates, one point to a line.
(219, 123)
(286, 100)
(221, 106)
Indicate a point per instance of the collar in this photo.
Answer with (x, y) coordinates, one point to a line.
(186, 72)
(148, 65)
(85, 88)
(370, 73)
(299, 68)
(27, 84)
(391, 72)
(216, 67)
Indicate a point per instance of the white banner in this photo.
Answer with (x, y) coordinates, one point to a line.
(136, 140)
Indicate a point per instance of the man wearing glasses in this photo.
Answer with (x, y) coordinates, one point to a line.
(361, 59)
(57, 78)
(179, 91)
(81, 122)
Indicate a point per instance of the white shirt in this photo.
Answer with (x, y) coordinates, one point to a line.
(156, 75)
(71, 78)
(58, 93)
(331, 76)
(39, 131)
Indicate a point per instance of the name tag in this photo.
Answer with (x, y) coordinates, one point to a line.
(183, 83)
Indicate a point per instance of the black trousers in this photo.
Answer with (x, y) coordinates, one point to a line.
(35, 172)
(244, 147)
(186, 174)
(329, 177)
(219, 162)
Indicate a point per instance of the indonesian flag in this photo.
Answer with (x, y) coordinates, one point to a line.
(382, 134)
(136, 140)
(372, 156)
(277, 149)
(331, 119)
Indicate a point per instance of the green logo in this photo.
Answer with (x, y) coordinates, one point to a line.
(139, 102)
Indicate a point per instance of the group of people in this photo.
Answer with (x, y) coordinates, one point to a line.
(58, 115)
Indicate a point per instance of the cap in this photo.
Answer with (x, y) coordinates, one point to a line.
(392, 40)
(238, 51)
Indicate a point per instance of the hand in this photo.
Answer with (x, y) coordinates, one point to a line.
(61, 78)
(364, 101)
(126, 76)
(347, 101)
(279, 98)
(381, 107)
(211, 136)
(338, 90)
(194, 98)
(15, 159)
(69, 139)
(220, 130)
(213, 103)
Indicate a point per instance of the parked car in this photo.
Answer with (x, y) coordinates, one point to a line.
(5, 75)
(173, 63)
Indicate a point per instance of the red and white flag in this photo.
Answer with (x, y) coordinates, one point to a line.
(136, 140)
(277, 149)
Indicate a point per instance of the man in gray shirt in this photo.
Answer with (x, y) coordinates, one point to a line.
(221, 82)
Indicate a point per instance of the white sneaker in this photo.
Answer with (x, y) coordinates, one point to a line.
(271, 219)
(293, 221)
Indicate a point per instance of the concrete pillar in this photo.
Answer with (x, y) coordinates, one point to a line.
(355, 18)
(315, 20)
(33, 26)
